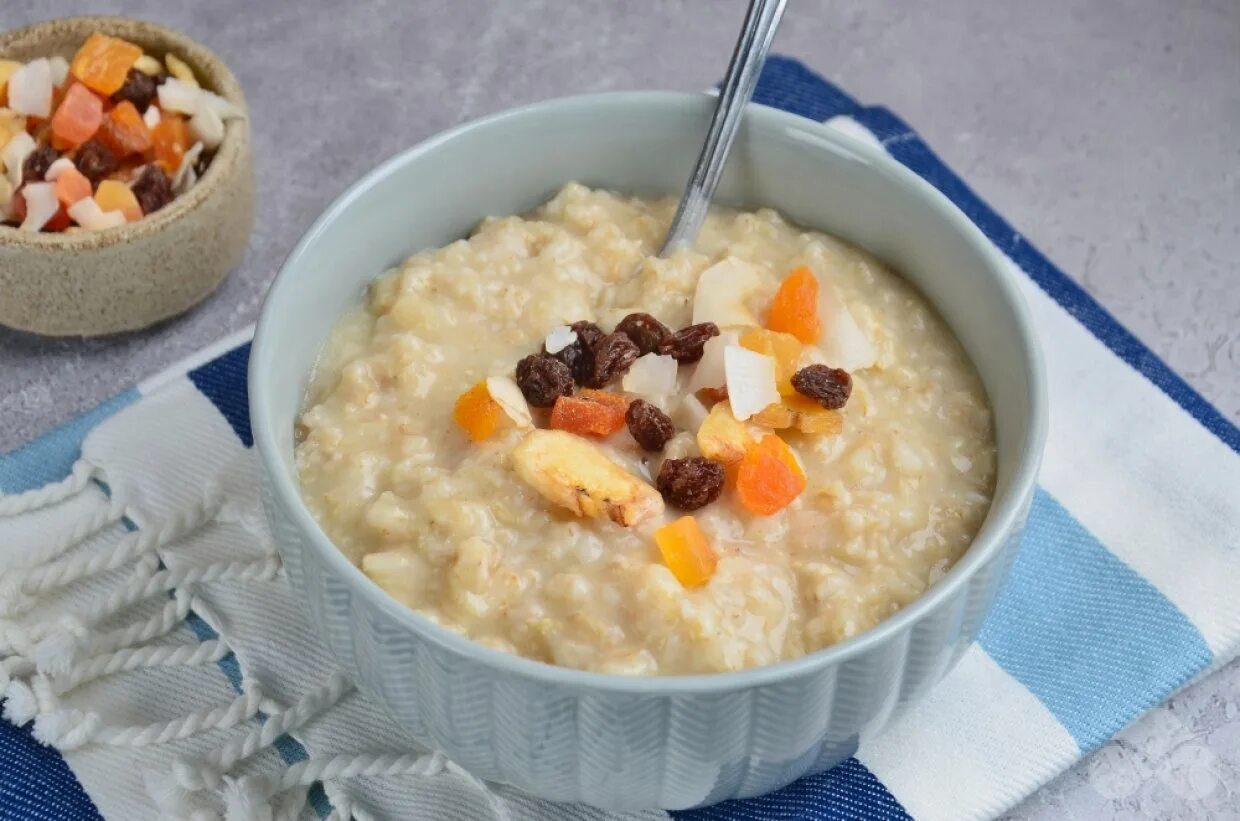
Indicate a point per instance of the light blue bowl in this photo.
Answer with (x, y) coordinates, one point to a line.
(629, 742)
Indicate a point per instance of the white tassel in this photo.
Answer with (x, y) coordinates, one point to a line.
(245, 799)
(172, 800)
(66, 729)
(56, 653)
(20, 705)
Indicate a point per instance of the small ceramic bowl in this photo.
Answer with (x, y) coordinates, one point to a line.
(124, 278)
(628, 742)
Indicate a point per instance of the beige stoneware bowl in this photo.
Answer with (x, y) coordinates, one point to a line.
(131, 276)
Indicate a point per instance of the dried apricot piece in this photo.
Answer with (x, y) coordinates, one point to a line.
(476, 412)
(114, 195)
(768, 478)
(77, 118)
(599, 415)
(103, 62)
(795, 308)
(784, 348)
(686, 552)
(169, 142)
(72, 186)
(124, 131)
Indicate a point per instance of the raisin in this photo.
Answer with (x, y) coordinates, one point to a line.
(650, 426)
(153, 189)
(95, 160)
(587, 332)
(646, 332)
(686, 345)
(690, 483)
(611, 356)
(830, 386)
(138, 89)
(37, 163)
(577, 355)
(542, 378)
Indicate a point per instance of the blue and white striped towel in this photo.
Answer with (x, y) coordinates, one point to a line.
(1124, 590)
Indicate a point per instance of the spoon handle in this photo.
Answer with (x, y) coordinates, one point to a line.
(754, 42)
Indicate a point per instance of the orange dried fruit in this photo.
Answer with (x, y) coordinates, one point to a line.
(124, 131)
(686, 552)
(114, 195)
(795, 308)
(476, 412)
(169, 142)
(103, 62)
(593, 413)
(768, 478)
(72, 186)
(784, 348)
(77, 118)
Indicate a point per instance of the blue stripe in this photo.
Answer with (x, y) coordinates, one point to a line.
(787, 84)
(908, 148)
(1084, 632)
(222, 380)
(848, 792)
(37, 784)
(50, 457)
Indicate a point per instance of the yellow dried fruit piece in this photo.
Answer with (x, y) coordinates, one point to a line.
(811, 417)
(149, 66)
(7, 67)
(180, 69)
(11, 123)
(721, 436)
(784, 348)
(777, 415)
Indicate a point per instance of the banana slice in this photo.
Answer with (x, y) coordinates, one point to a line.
(576, 474)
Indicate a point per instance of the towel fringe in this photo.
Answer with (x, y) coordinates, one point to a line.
(79, 476)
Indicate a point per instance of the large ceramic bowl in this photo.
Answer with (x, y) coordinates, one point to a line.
(133, 275)
(635, 742)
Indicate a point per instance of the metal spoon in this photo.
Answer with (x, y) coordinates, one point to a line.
(738, 86)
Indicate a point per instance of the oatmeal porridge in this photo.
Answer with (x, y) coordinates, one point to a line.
(552, 442)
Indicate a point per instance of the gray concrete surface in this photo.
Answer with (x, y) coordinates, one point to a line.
(1108, 131)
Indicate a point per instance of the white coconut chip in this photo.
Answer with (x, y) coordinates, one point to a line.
(691, 413)
(14, 153)
(709, 372)
(508, 396)
(87, 213)
(151, 116)
(721, 293)
(224, 108)
(842, 344)
(560, 338)
(60, 70)
(30, 89)
(207, 127)
(41, 205)
(651, 377)
(186, 176)
(751, 381)
(178, 95)
(57, 168)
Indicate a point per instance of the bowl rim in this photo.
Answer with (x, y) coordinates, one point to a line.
(1001, 520)
(201, 59)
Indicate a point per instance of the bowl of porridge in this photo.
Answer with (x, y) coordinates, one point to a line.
(636, 531)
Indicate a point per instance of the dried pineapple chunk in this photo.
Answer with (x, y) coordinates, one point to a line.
(576, 474)
(722, 437)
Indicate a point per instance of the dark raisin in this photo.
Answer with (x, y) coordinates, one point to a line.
(830, 386)
(542, 378)
(650, 426)
(577, 355)
(690, 483)
(153, 189)
(138, 89)
(646, 332)
(686, 345)
(587, 332)
(37, 163)
(612, 355)
(95, 160)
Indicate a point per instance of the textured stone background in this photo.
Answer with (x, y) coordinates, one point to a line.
(1108, 131)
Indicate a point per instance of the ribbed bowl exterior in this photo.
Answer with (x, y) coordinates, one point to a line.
(631, 750)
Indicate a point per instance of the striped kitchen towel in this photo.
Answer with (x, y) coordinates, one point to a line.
(155, 665)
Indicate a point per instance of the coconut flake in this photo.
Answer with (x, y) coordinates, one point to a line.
(691, 413)
(151, 116)
(560, 338)
(709, 372)
(57, 168)
(651, 377)
(224, 108)
(60, 70)
(751, 381)
(14, 153)
(843, 344)
(41, 205)
(207, 127)
(30, 89)
(178, 95)
(508, 396)
(186, 176)
(87, 213)
(721, 293)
